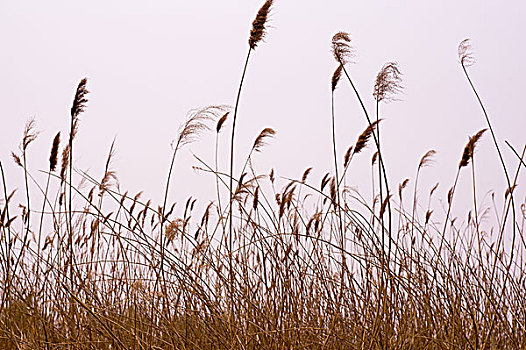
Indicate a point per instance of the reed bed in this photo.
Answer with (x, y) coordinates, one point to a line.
(270, 263)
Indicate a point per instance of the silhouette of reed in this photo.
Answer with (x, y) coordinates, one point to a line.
(289, 262)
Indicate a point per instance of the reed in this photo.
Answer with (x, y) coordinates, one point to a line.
(303, 263)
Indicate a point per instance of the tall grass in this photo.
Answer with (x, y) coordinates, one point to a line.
(288, 263)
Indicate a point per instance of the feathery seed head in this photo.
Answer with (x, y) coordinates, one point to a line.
(465, 54)
(65, 163)
(261, 139)
(427, 158)
(388, 82)
(16, 158)
(53, 158)
(306, 174)
(469, 149)
(259, 25)
(347, 157)
(197, 122)
(79, 102)
(341, 49)
(364, 137)
(30, 134)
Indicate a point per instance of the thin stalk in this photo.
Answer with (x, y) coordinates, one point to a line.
(231, 202)
(375, 141)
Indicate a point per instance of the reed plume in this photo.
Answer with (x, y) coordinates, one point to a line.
(465, 53)
(427, 158)
(197, 122)
(341, 48)
(388, 83)
(53, 157)
(80, 100)
(365, 136)
(347, 156)
(261, 139)
(30, 134)
(221, 122)
(306, 174)
(469, 149)
(259, 29)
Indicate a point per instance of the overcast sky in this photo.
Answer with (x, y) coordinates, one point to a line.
(149, 63)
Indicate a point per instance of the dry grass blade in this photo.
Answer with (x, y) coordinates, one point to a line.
(259, 25)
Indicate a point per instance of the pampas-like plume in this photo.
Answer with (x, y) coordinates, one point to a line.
(221, 122)
(196, 123)
(388, 82)
(79, 103)
(469, 150)
(29, 134)
(261, 139)
(53, 157)
(427, 158)
(365, 136)
(336, 77)
(259, 25)
(465, 54)
(341, 49)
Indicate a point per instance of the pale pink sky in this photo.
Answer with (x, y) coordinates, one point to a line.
(148, 63)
